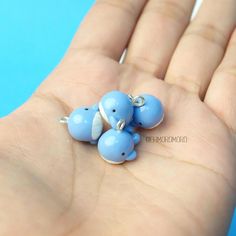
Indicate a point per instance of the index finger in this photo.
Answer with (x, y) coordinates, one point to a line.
(108, 27)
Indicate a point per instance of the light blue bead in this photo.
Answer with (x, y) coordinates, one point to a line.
(85, 124)
(115, 106)
(150, 114)
(117, 146)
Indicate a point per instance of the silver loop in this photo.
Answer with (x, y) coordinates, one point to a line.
(64, 120)
(120, 125)
(131, 97)
(137, 101)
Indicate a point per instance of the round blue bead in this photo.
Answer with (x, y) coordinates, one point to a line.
(150, 114)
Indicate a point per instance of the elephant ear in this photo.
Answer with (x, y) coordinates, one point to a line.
(132, 156)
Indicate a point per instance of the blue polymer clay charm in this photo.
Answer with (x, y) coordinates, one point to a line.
(85, 124)
(149, 115)
(117, 146)
(115, 106)
(124, 113)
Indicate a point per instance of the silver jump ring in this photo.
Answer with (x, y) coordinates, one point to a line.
(137, 101)
(120, 125)
(64, 120)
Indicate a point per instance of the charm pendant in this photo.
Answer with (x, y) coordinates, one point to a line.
(124, 113)
(85, 124)
(150, 115)
(117, 146)
(116, 106)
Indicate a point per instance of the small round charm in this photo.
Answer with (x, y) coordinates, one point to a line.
(115, 106)
(150, 114)
(117, 146)
(85, 124)
(124, 113)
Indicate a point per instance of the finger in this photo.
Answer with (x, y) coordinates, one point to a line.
(157, 34)
(202, 46)
(107, 28)
(221, 96)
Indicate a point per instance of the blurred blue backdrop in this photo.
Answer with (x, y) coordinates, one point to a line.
(34, 36)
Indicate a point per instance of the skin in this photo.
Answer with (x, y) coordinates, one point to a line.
(52, 185)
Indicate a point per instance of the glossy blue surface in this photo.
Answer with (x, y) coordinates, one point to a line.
(116, 146)
(34, 37)
(150, 114)
(85, 124)
(115, 106)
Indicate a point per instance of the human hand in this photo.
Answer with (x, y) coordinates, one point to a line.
(52, 185)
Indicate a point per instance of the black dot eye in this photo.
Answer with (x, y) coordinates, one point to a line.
(86, 109)
(114, 110)
(122, 153)
(140, 123)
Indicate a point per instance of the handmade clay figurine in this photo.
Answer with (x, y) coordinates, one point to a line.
(85, 124)
(115, 106)
(117, 146)
(150, 115)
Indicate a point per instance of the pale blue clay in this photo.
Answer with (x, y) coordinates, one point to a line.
(117, 146)
(85, 124)
(149, 115)
(115, 106)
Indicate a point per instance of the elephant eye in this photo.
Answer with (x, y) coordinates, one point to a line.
(140, 123)
(122, 153)
(86, 109)
(114, 110)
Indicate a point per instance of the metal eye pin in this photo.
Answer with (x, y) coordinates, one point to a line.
(137, 101)
(64, 120)
(120, 125)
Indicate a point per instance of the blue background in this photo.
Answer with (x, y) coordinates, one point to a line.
(34, 36)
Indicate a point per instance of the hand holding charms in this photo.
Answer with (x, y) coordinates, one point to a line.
(124, 113)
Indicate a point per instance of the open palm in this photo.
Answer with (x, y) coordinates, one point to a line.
(53, 185)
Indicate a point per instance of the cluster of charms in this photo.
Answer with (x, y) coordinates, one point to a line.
(124, 114)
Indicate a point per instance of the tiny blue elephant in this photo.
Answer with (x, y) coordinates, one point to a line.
(115, 106)
(85, 124)
(150, 115)
(117, 146)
